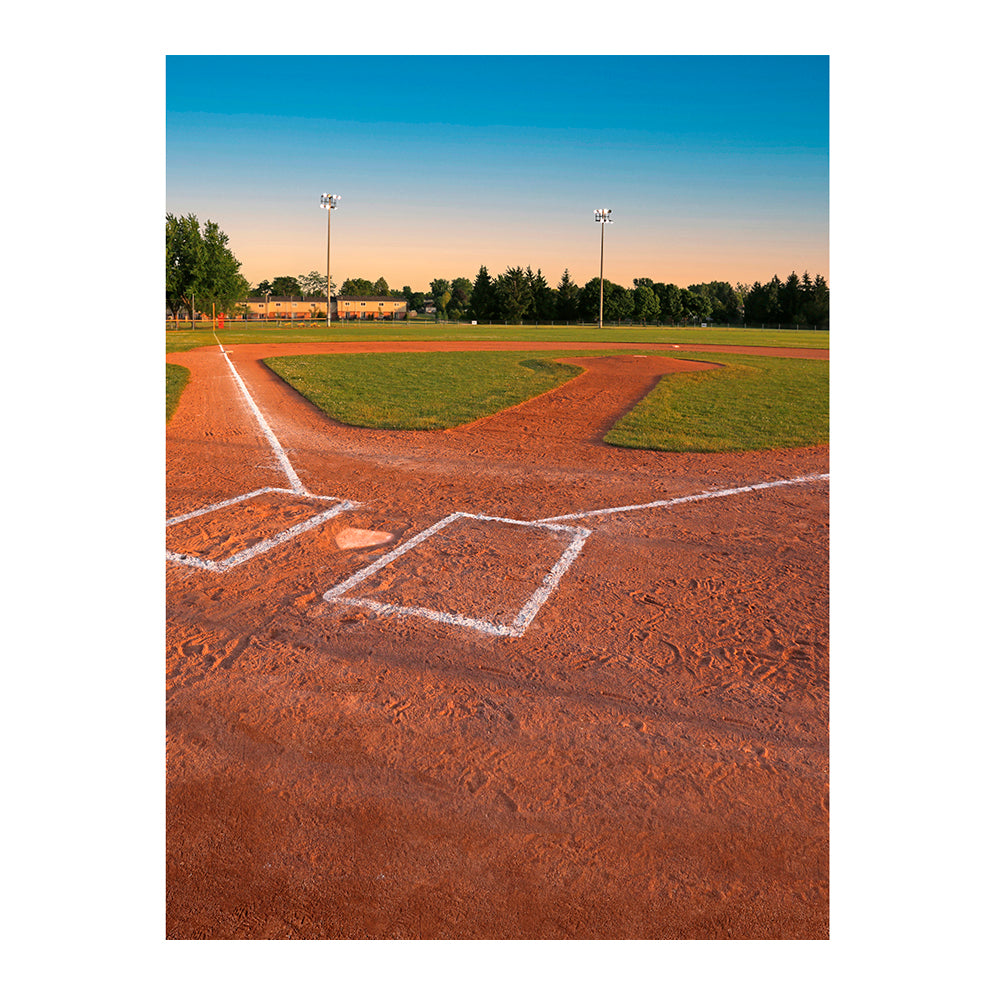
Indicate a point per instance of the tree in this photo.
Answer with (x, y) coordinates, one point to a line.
(567, 299)
(817, 302)
(286, 287)
(542, 299)
(221, 282)
(722, 298)
(461, 295)
(183, 248)
(646, 303)
(792, 311)
(671, 304)
(697, 305)
(481, 306)
(264, 288)
(313, 284)
(513, 295)
(381, 288)
(618, 304)
(441, 294)
(200, 267)
(357, 288)
(590, 299)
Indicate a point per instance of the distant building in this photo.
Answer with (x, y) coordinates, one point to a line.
(370, 308)
(302, 309)
(306, 309)
(277, 307)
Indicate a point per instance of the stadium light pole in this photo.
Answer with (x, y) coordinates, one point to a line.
(603, 216)
(329, 202)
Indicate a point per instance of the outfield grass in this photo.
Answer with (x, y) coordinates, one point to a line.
(177, 378)
(430, 391)
(751, 404)
(186, 339)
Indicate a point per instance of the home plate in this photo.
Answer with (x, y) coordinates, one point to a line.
(358, 538)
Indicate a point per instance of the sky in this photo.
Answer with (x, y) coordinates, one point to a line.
(714, 167)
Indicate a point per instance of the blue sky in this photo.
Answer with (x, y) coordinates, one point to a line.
(715, 167)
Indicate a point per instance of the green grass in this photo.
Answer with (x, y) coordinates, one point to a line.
(186, 339)
(751, 404)
(177, 378)
(430, 391)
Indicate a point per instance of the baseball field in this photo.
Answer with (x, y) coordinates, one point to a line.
(498, 678)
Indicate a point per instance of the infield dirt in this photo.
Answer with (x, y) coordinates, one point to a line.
(648, 760)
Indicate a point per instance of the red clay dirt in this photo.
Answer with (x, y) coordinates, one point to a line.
(649, 759)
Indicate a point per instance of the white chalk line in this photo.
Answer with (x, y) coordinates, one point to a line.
(297, 489)
(220, 566)
(815, 477)
(228, 503)
(286, 465)
(527, 614)
(521, 621)
(334, 595)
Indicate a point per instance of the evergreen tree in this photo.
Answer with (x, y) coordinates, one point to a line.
(513, 295)
(542, 298)
(481, 297)
(792, 312)
(567, 300)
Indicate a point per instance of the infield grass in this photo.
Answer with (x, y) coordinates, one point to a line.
(177, 378)
(186, 339)
(749, 403)
(430, 391)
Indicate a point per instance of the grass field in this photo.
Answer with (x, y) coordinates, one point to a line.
(186, 339)
(419, 391)
(177, 378)
(753, 403)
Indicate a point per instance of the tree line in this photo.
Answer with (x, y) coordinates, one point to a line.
(523, 295)
(202, 272)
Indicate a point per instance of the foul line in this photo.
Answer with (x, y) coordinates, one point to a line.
(815, 477)
(527, 613)
(268, 433)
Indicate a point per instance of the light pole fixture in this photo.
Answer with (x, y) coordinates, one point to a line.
(603, 216)
(329, 202)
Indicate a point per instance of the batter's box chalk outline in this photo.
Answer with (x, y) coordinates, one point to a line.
(523, 618)
(221, 565)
